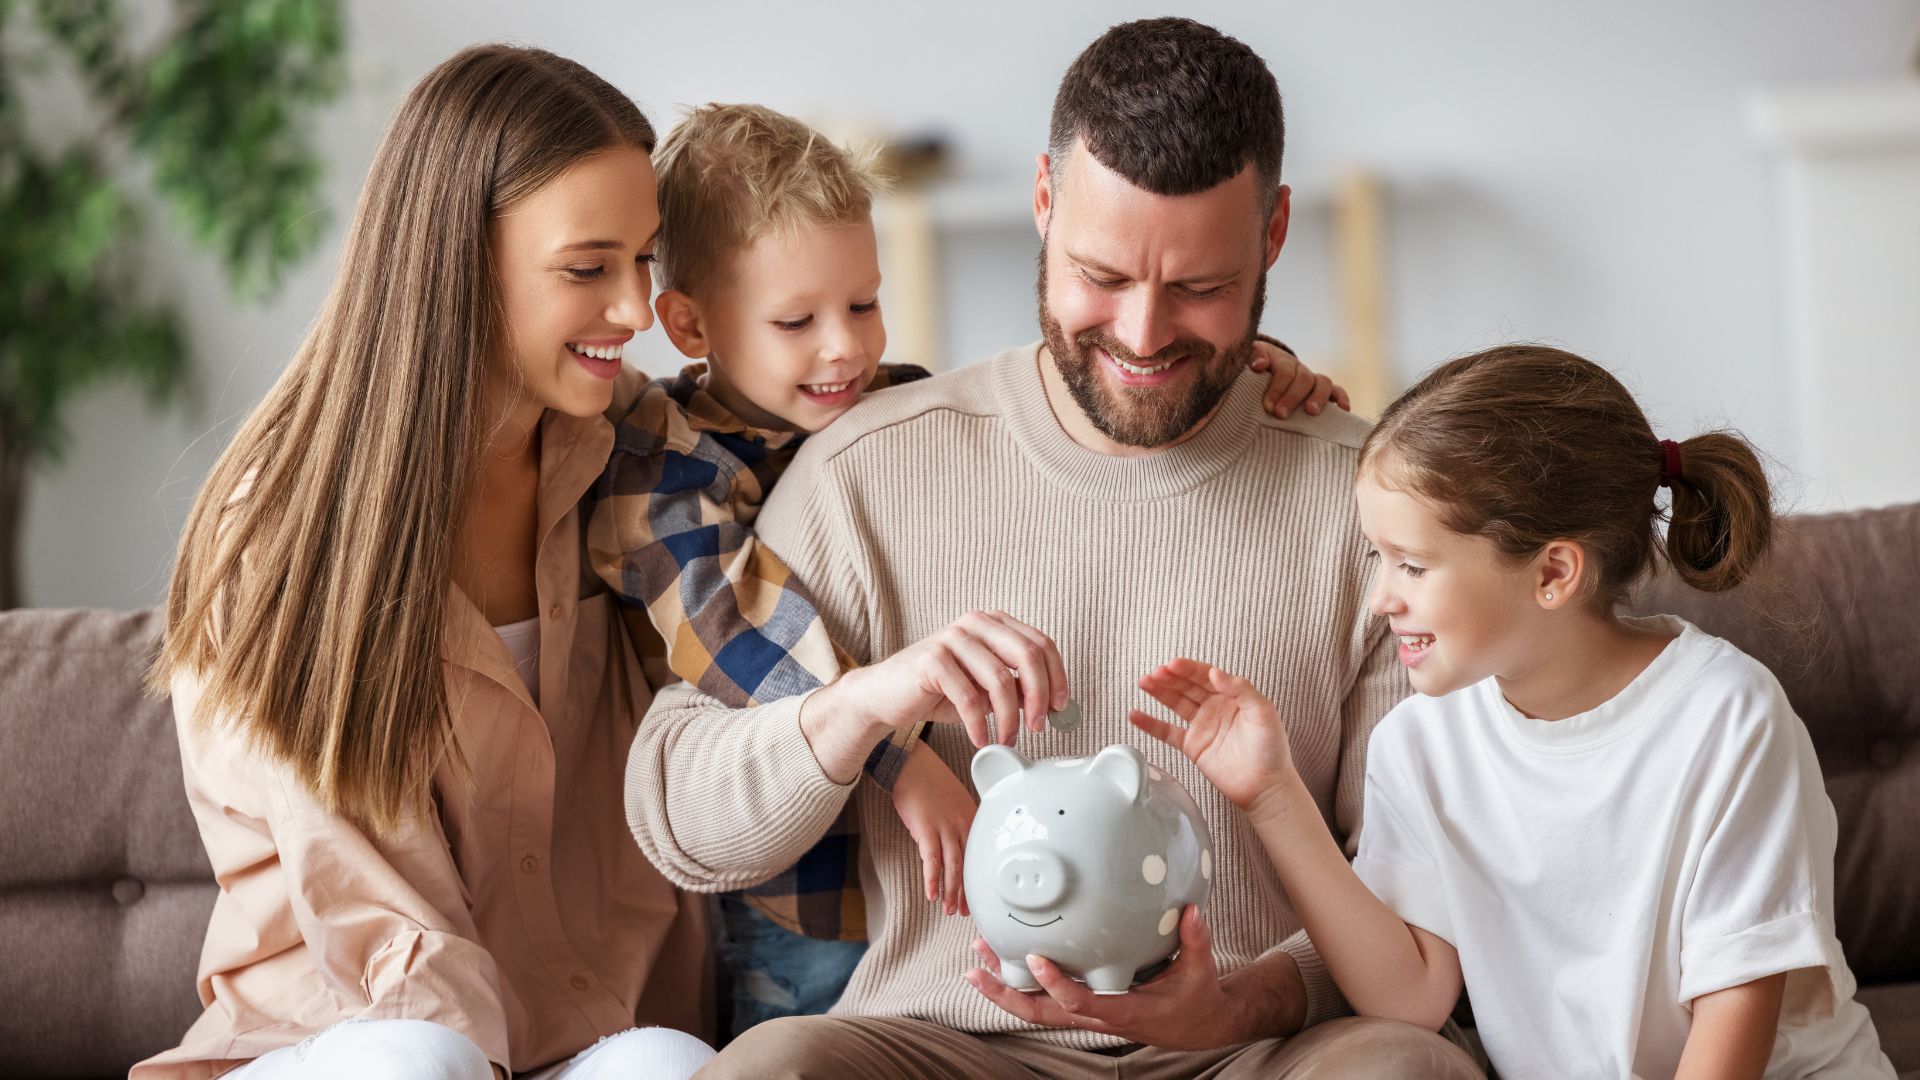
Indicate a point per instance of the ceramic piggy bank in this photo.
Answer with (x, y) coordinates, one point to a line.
(1085, 861)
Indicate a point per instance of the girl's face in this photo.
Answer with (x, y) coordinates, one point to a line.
(1461, 608)
(575, 262)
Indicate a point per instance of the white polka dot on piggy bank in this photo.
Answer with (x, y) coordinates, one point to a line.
(1085, 861)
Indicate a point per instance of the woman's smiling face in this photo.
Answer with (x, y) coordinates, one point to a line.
(1462, 609)
(574, 261)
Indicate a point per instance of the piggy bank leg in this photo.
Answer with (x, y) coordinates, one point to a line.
(1015, 974)
(1110, 979)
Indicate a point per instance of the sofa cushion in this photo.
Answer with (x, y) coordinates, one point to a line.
(1835, 614)
(1896, 1017)
(105, 889)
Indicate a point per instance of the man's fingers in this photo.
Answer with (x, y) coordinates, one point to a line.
(1196, 937)
(1041, 1009)
(1053, 696)
(1072, 996)
(1033, 1008)
(991, 675)
(1026, 654)
(1342, 398)
(961, 693)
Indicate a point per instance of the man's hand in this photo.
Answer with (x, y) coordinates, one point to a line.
(984, 662)
(1292, 385)
(1233, 735)
(937, 811)
(1185, 1007)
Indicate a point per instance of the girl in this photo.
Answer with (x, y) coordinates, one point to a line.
(1612, 830)
(404, 706)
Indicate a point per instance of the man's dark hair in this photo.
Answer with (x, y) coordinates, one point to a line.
(1174, 106)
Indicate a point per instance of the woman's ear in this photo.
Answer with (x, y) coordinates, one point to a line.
(684, 322)
(1560, 573)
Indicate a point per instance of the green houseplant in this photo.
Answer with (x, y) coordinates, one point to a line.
(216, 111)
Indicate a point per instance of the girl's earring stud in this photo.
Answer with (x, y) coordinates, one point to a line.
(1549, 596)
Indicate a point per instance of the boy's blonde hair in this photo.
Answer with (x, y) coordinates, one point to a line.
(731, 174)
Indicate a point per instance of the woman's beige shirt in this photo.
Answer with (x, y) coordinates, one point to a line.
(519, 913)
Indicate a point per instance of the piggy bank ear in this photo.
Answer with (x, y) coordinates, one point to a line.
(994, 764)
(1123, 767)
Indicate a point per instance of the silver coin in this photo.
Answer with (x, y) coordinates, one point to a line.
(1068, 718)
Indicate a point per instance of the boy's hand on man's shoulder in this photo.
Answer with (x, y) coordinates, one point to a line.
(1292, 384)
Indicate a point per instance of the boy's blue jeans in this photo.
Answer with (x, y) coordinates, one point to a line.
(776, 972)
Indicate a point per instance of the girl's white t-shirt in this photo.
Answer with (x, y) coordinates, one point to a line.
(1600, 872)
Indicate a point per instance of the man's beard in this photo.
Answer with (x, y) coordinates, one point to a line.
(1145, 416)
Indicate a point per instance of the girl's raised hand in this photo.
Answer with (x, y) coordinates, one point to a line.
(1232, 733)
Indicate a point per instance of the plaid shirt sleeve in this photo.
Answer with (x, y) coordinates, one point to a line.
(669, 534)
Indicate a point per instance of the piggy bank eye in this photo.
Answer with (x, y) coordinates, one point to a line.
(1063, 813)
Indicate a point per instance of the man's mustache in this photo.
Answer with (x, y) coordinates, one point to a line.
(1190, 348)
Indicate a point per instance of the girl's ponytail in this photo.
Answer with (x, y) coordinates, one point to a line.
(1722, 517)
(1524, 444)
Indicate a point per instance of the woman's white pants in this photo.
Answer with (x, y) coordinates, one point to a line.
(422, 1050)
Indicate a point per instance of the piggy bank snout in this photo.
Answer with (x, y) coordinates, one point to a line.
(1032, 880)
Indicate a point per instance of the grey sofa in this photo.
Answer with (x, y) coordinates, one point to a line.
(105, 892)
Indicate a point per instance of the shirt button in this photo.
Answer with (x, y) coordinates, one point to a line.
(530, 863)
(579, 982)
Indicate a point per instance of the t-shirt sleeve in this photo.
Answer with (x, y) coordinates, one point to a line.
(1396, 858)
(1759, 900)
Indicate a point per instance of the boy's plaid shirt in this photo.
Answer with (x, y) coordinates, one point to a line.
(669, 531)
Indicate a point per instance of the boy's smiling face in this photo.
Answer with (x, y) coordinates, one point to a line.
(790, 326)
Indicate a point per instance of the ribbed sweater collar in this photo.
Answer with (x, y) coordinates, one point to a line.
(1023, 401)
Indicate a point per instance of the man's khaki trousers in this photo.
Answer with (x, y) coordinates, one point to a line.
(857, 1048)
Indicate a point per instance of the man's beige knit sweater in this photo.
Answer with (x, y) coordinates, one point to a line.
(1240, 546)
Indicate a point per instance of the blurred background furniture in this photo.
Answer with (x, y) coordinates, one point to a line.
(105, 890)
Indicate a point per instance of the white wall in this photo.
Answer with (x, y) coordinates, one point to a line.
(1581, 174)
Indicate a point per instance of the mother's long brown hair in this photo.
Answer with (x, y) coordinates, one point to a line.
(309, 586)
(1525, 444)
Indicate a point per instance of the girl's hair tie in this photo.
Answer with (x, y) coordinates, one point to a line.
(1670, 471)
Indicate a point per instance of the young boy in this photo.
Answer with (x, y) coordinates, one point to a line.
(769, 273)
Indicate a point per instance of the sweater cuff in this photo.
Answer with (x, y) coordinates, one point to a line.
(809, 799)
(1324, 1001)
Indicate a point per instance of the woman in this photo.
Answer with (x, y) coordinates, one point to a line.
(403, 726)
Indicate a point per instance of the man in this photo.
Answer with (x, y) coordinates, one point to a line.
(1121, 488)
